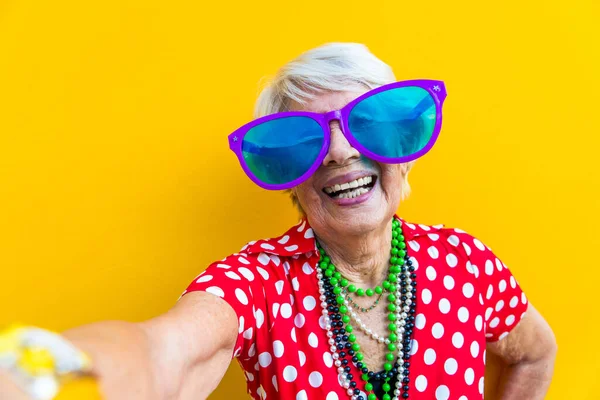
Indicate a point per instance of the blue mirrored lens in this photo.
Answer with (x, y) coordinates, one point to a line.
(394, 123)
(282, 150)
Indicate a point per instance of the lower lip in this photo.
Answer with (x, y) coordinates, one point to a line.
(355, 200)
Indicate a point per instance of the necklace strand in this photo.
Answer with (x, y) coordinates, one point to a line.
(402, 301)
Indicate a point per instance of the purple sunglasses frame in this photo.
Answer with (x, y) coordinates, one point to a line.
(437, 90)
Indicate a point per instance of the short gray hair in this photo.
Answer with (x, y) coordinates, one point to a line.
(332, 67)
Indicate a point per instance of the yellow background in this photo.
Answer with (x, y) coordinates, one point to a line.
(117, 186)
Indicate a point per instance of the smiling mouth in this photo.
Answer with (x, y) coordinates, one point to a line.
(352, 189)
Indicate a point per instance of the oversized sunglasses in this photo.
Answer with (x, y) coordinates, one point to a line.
(394, 123)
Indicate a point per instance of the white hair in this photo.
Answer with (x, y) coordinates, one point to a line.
(332, 67)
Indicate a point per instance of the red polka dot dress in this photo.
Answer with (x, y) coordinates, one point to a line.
(466, 298)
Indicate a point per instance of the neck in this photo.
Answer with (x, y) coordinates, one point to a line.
(363, 258)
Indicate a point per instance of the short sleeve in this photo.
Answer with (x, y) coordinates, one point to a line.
(239, 282)
(504, 302)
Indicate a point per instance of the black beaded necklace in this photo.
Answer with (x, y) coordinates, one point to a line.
(338, 313)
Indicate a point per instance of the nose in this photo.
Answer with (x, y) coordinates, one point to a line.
(340, 151)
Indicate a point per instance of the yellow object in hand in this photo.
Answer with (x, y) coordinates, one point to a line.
(37, 361)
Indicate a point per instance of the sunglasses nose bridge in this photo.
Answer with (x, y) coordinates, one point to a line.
(335, 115)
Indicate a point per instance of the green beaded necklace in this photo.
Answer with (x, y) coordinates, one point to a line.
(341, 284)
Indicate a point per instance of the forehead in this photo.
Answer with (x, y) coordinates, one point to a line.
(328, 101)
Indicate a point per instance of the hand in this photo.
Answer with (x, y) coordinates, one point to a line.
(9, 390)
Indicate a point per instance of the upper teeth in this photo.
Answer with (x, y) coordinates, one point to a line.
(349, 185)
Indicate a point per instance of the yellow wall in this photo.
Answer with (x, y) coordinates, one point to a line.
(117, 186)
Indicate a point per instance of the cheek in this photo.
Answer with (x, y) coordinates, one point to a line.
(392, 177)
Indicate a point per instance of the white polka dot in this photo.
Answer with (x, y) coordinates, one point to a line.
(414, 346)
(429, 356)
(290, 373)
(246, 273)
(278, 348)
(420, 321)
(430, 272)
(450, 366)
(243, 260)
(499, 305)
(263, 273)
(424, 227)
(302, 357)
(241, 325)
(478, 244)
(299, 320)
(451, 260)
(478, 323)
(204, 278)
(481, 385)
(332, 396)
(469, 376)
(241, 296)
(284, 239)
(495, 322)
(444, 306)
(275, 259)
(474, 349)
(293, 334)
(247, 334)
(514, 302)
(523, 298)
(307, 269)
(302, 226)
(286, 310)
(313, 341)
(249, 376)
(489, 267)
(232, 275)
(490, 292)
(264, 359)
(505, 334)
(433, 236)
(433, 252)
(414, 262)
(510, 320)
(328, 359)
(458, 340)
(252, 350)
(468, 290)
(513, 282)
(411, 226)
(414, 245)
(426, 296)
(217, 291)
(488, 313)
(293, 247)
(498, 265)
(260, 318)
(448, 282)
(309, 234)
(453, 240)
(421, 383)
(442, 393)
(502, 286)
(309, 303)
(467, 249)
(263, 258)
(315, 379)
(295, 284)
(275, 309)
(463, 314)
(463, 398)
(279, 286)
(302, 395)
(437, 330)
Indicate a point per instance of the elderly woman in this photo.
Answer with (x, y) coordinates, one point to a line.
(353, 302)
